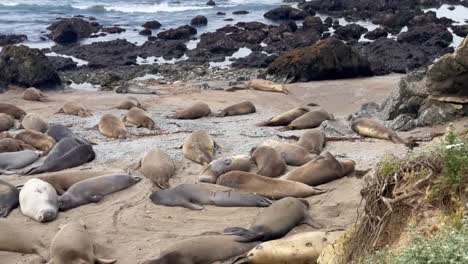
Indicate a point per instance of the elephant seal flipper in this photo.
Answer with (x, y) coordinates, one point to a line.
(9, 198)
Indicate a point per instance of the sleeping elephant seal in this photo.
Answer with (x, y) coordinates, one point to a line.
(199, 147)
(110, 126)
(321, 170)
(59, 132)
(12, 110)
(368, 127)
(73, 244)
(313, 141)
(16, 238)
(10, 145)
(76, 109)
(216, 168)
(266, 86)
(38, 201)
(275, 221)
(311, 119)
(242, 108)
(18, 159)
(292, 154)
(195, 111)
(194, 196)
(130, 102)
(268, 187)
(34, 122)
(6, 122)
(9, 198)
(140, 118)
(202, 250)
(269, 162)
(33, 94)
(94, 189)
(285, 118)
(38, 140)
(158, 167)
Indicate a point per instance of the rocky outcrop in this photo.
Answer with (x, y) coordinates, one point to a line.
(255, 60)
(11, 39)
(350, 32)
(183, 32)
(284, 13)
(113, 30)
(427, 34)
(71, 30)
(199, 21)
(327, 59)
(461, 31)
(152, 24)
(313, 23)
(61, 63)
(376, 33)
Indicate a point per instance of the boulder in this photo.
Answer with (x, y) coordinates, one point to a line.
(427, 34)
(152, 25)
(146, 32)
(284, 13)
(71, 30)
(461, 31)
(183, 32)
(240, 12)
(61, 63)
(199, 21)
(210, 3)
(254, 25)
(350, 32)
(376, 33)
(313, 23)
(255, 60)
(11, 39)
(113, 30)
(168, 49)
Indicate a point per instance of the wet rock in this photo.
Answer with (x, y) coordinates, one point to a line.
(279, 40)
(255, 60)
(394, 22)
(328, 22)
(113, 30)
(71, 30)
(11, 39)
(229, 19)
(61, 63)
(199, 21)
(146, 32)
(285, 12)
(152, 25)
(254, 25)
(431, 33)
(220, 14)
(218, 43)
(461, 31)
(183, 32)
(350, 32)
(240, 12)
(451, 8)
(313, 23)
(376, 33)
(211, 3)
(168, 49)
(288, 26)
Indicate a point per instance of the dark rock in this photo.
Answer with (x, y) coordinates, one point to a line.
(435, 113)
(461, 31)
(211, 3)
(288, 26)
(168, 49)
(183, 32)
(285, 12)
(313, 23)
(240, 12)
(152, 38)
(218, 43)
(394, 22)
(376, 33)
(279, 41)
(254, 25)
(11, 39)
(220, 14)
(229, 19)
(113, 30)
(61, 63)
(146, 32)
(152, 25)
(199, 21)
(328, 22)
(431, 34)
(71, 30)
(451, 8)
(350, 32)
(255, 60)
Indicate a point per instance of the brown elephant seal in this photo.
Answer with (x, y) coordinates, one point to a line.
(194, 196)
(94, 189)
(313, 141)
(9, 198)
(195, 111)
(76, 109)
(18, 159)
(265, 186)
(38, 201)
(5, 134)
(269, 162)
(218, 167)
(285, 118)
(199, 147)
(12, 110)
(266, 86)
(38, 140)
(7, 122)
(158, 167)
(34, 122)
(16, 238)
(10, 145)
(130, 102)
(242, 108)
(275, 221)
(321, 170)
(33, 94)
(199, 250)
(140, 118)
(110, 126)
(368, 127)
(73, 244)
(311, 119)
(292, 154)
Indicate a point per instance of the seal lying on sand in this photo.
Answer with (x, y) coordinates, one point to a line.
(59, 132)
(130, 102)
(38, 201)
(6, 122)
(268, 187)
(16, 238)
(194, 196)
(140, 118)
(36, 139)
(76, 109)
(94, 189)
(313, 141)
(269, 162)
(157, 166)
(12, 110)
(202, 250)
(33, 94)
(285, 118)
(110, 126)
(242, 108)
(292, 154)
(195, 111)
(199, 147)
(216, 168)
(371, 128)
(12, 145)
(9, 198)
(34, 122)
(18, 160)
(73, 244)
(266, 86)
(311, 119)
(275, 221)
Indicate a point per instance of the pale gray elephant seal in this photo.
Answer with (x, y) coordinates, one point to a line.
(158, 167)
(218, 167)
(195, 111)
(12, 110)
(6, 122)
(18, 160)
(285, 118)
(16, 238)
(59, 132)
(34, 122)
(321, 170)
(140, 118)
(311, 119)
(110, 126)
(371, 128)
(199, 147)
(265, 186)
(38, 201)
(202, 250)
(242, 108)
(74, 108)
(266, 86)
(73, 244)
(269, 161)
(9, 198)
(38, 140)
(275, 221)
(94, 189)
(194, 196)
(292, 154)
(33, 94)
(313, 141)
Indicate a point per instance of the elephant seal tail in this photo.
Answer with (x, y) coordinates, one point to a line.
(244, 235)
(239, 260)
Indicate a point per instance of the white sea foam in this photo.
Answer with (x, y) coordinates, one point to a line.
(78, 61)
(241, 53)
(141, 8)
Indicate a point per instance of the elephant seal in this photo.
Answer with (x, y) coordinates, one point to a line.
(292, 154)
(16, 238)
(140, 118)
(5, 134)
(73, 244)
(33, 94)
(321, 170)
(265, 186)
(158, 167)
(269, 162)
(59, 132)
(311, 119)
(199, 147)
(10, 145)
(6, 122)
(275, 221)
(38, 201)
(94, 189)
(194, 196)
(199, 250)
(313, 141)
(368, 127)
(18, 159)
(285, 118)
(110, 126)
(266, 86)
(12, 110)
(9, 198)
(34, 122)
(130, 102)
(216, 168)
(242, 108)
(76, 109)
(38, 140)
(195, 111)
